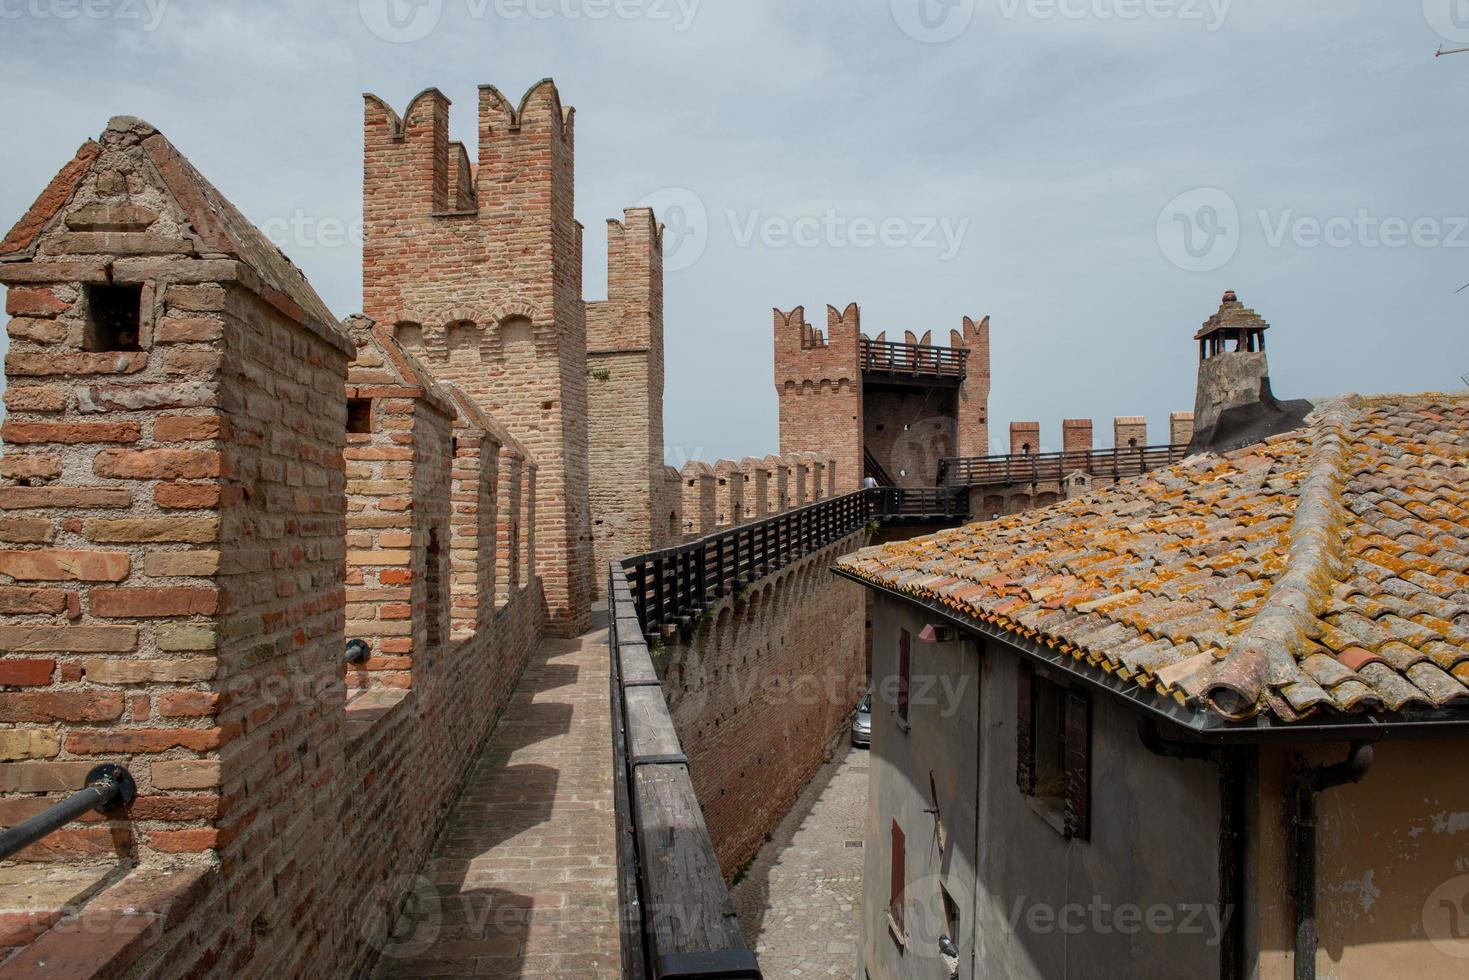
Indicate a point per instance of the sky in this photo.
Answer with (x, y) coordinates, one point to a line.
(1090, 174)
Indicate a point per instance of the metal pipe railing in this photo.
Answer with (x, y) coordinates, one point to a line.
(109, 788)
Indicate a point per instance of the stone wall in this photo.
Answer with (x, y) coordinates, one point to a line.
(180, 493)
(760, 689)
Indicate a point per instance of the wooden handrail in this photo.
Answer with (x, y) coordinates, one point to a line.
(918, 360)
(1116, 464)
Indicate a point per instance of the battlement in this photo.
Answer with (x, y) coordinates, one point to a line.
(439, 175)
(631, 317)
(1128, 432)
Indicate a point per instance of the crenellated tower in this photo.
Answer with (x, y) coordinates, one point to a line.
(474, 264)
(887, 409)
(818, 377)
(625, 395)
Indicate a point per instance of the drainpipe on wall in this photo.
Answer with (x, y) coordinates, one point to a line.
(1310, 782)
(1232, 786)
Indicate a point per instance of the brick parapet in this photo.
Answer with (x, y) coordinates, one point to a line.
(172, 592)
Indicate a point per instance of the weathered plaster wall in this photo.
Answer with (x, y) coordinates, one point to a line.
(1154, 832)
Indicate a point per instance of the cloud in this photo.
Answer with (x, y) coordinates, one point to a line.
(1058, 139)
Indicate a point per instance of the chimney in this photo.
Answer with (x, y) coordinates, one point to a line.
(1234, 405)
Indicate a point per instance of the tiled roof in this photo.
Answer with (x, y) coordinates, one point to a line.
(1325, 570)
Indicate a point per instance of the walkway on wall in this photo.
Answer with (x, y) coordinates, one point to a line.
(522, 881)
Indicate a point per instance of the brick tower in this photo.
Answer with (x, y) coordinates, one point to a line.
(625, 394)
(475, 266)
(887, 409)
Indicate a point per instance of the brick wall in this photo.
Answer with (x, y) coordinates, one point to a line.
(1129, 430)
(700, 506)
(759, 691)
(625, 393)
(1025, 438)
(974, 394)
(484, 282)
(173, 547)
(729, 494)
(819, 384)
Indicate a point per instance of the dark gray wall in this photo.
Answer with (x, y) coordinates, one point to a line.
(1137, 899)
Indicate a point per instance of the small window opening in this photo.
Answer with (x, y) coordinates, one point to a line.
(359, 414)
(114, 318)
(1132, 443)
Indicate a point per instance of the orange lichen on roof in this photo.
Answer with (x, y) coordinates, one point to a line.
(1323, 570)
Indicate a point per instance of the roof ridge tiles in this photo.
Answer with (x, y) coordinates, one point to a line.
(1265, 654)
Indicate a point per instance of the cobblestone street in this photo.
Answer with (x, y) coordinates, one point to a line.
(798, 900)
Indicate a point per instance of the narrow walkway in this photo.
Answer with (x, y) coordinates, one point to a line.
(798, 901)
(522, 881)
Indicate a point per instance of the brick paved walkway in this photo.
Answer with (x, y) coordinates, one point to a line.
(522, 881)
(798, 901)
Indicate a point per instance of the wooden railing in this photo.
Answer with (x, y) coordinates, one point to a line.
(674, 586)
(1114, 464)
(675, 910)
(913, 360)
(676, 915)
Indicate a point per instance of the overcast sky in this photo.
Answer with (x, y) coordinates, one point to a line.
(1092, 174)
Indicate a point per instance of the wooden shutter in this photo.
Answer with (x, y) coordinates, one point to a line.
(1078, 761)
(897, 875)
(905, 671)
(1025, 730)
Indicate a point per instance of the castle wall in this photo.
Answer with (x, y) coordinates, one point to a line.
(175, 564)
(484, 283)
(974, 394)
(625, 394)
(909, 430)
(819, 383)
(760, 690)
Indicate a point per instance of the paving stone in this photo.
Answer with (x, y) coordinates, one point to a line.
(798, 899)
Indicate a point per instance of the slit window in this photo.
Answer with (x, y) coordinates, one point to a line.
(359, 414)
(114, 318)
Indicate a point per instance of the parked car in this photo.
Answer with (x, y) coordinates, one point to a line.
(862, 723)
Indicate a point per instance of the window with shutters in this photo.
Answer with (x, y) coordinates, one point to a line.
(905, 675)
(1053, 752)
(897, 881)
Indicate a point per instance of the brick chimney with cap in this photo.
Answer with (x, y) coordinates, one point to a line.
(1234, 405)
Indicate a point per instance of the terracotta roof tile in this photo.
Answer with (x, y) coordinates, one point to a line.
(1324, 570)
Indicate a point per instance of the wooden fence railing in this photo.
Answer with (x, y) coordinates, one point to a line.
(677, 918)
(676, 915)
(1116, 464)
(673, 586)
(914, 360)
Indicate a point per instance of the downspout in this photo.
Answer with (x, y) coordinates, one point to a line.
(1310, 782)
(1232, 784)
